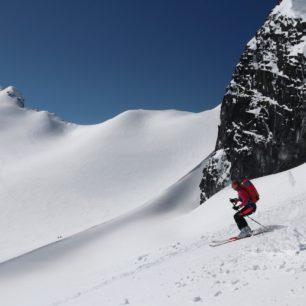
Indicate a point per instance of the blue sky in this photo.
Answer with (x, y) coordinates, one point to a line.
(87, 61)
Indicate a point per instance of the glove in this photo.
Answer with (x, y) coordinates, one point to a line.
(234, 201)
(235, 207)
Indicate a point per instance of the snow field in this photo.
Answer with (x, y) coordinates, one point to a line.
(57, 178)
(157, 256)
(268, 269)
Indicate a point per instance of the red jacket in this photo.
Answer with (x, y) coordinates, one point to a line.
(243, 197)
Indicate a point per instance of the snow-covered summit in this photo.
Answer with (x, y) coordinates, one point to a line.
(296, 10)
(291, 8)
(11, 95)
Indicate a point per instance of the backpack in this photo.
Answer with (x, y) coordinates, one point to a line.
(250, 189)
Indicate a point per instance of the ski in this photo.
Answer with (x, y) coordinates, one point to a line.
(215, 243)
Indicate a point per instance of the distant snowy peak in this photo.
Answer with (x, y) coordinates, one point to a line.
(11, 95)
(14, 116)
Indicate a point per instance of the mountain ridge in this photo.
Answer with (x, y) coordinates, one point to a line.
(76, 176)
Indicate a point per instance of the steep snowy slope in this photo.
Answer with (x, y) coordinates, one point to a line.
(159, 256)
(154, 253)
(58, 178)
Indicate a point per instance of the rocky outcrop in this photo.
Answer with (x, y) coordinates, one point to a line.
(263, 113)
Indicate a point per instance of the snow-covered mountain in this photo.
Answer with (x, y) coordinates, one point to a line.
(263, 113)
(151, 253)
(57, 178)
(108, 214)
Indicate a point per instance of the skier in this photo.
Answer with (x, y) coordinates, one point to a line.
(244, 204)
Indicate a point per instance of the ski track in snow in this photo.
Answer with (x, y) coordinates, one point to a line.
(279, 252)
(221, 271)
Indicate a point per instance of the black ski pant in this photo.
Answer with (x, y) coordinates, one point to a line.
(245, 211)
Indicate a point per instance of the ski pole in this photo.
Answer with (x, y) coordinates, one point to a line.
(257, 222)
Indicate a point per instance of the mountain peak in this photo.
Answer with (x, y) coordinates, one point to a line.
(12, 94)
(292, 8)
(263, 116)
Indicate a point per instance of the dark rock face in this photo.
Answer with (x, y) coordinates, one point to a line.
(263, 113)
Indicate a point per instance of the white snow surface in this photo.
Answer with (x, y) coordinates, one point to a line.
(57, 178)
(292, 8)
(151, 248)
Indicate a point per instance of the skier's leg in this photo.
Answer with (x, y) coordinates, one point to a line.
(248, 210)
(240, 221)
(245, 211)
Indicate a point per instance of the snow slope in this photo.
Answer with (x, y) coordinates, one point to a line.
(58, 178)
(158, 255)
(151, 248)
